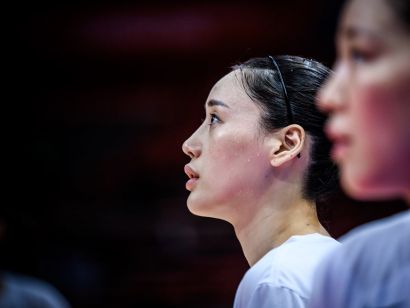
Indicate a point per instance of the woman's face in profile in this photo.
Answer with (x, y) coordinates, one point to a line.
(229, 160)
(368, 99)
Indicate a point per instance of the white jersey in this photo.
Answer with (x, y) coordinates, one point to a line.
(370, 269)
(284, 276)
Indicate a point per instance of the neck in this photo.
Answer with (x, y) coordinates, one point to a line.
(273, 225)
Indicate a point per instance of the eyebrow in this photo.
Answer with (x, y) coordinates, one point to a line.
(214, 102)
(351, 32)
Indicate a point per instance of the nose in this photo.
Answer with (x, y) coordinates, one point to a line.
(191, 147)
(333, 94)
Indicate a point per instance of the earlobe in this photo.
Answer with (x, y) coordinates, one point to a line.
(290, 144)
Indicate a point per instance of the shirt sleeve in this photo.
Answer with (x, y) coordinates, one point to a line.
(268, 296)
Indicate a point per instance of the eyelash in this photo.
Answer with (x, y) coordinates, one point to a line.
(212, 118)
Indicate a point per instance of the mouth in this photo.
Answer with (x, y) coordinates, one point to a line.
(193, 177)
(340, 143)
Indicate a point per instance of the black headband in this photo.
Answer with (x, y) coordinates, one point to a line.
(285, 93)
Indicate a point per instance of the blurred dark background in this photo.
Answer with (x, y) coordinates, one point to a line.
(103, 95)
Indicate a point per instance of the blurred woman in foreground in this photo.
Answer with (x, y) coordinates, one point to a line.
(368, 100)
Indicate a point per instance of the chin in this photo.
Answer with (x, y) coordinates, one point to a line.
(207, 209)
(196, 211)
(364, 189)
(198, 207)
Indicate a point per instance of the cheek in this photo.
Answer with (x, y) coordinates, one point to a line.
(236, 163)
(235, 169)
(381, 96)
(379, 111)
(232, 176)
(370, 118)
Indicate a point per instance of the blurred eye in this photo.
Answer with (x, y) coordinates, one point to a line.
(359, 56)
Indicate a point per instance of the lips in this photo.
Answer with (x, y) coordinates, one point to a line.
(341, 142)
(193, 177)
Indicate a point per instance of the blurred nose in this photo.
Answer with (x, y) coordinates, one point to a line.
(333, 94)
(192, 147)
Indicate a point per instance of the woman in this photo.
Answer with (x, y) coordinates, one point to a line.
(260, 161)
(368, 99)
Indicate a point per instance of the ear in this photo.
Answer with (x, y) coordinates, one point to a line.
(290, 141)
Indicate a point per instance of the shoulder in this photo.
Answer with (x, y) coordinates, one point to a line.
(285, 272)
(372, 264)
(384, 228)
(264, 283)
(20, 290)
(387, 237)
(271, 295)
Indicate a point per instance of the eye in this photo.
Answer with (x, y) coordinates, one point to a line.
(359, 56)
(213, 119)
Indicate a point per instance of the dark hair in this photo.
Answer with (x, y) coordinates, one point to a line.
(402, 9)
(302, 79)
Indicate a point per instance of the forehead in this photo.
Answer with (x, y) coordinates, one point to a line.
(374, 17)
(228, 85)
(229, 90)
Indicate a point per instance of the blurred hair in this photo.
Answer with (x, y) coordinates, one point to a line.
(402, 11)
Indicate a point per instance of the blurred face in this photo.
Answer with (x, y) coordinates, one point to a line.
(229, 161)
(368, 99)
